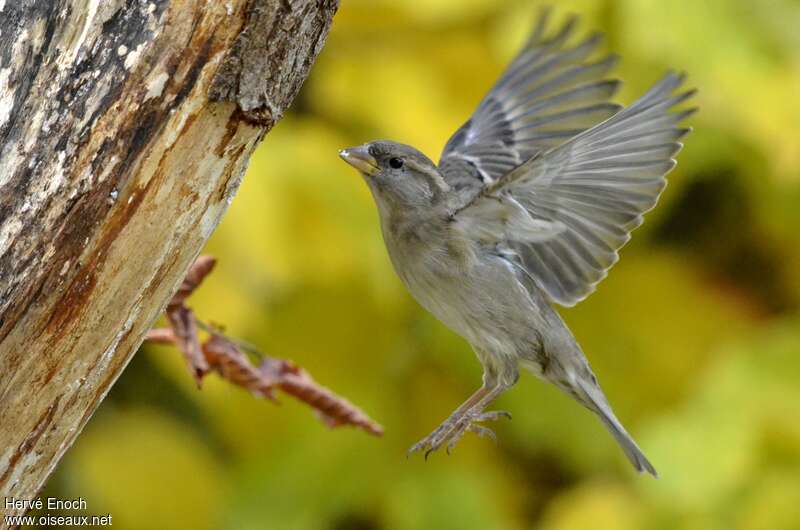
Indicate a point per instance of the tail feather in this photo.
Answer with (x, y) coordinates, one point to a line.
(597, 402)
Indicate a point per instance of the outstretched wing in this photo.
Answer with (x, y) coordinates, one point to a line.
(549, 93)
(589, 193)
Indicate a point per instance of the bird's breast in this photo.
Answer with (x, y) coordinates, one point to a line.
(470, 290)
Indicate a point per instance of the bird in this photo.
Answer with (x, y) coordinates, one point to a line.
(528, 207)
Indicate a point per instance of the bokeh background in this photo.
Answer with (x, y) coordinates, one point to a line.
(695, 334)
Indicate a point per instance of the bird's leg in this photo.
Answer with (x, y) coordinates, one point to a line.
(470, 419)
(450, 421)
(463, 419)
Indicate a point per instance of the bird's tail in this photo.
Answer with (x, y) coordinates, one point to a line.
(594, 398)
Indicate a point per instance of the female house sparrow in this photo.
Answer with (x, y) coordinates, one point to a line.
(531, 200)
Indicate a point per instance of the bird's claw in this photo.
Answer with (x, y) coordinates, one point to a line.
(451, 431)
(483, 432)
(492, 415)
(433, 441)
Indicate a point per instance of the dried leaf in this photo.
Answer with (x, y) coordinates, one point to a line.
(226, 357)
(333, 410)
(183, 324)
(232, 364)
(160, 336)
(201, 267)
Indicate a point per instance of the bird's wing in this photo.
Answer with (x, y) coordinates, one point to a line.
(583, 198)
(548, 94)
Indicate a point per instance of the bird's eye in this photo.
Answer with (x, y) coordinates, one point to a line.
(395, 163)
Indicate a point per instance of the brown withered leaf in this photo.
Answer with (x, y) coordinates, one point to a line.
(184, 326)
(160, 336)
(333, 410)
(226, 357)
(201, 267)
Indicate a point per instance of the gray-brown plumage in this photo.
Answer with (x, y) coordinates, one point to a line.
(532, 199)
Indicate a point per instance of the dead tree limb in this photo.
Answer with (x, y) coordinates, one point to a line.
(125, 127)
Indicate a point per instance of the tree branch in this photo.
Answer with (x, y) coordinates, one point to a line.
(116, 168)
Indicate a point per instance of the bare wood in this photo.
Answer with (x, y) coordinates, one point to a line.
(115, 167)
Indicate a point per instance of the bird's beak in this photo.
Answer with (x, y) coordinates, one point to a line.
(359, 158)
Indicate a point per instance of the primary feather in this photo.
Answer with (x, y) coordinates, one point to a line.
(548, 94)
(591, 189)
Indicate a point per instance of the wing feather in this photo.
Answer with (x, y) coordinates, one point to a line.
(591, 191)
(550, 92)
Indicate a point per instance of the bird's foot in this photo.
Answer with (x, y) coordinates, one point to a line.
(452, 429)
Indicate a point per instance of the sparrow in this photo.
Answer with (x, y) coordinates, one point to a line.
(527, 208)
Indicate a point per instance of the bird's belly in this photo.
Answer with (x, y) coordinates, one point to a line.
(485, 304)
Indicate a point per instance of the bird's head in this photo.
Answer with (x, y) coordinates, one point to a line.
(400, 177)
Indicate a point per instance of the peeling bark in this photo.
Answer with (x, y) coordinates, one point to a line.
(241, 77)
(125, 127)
